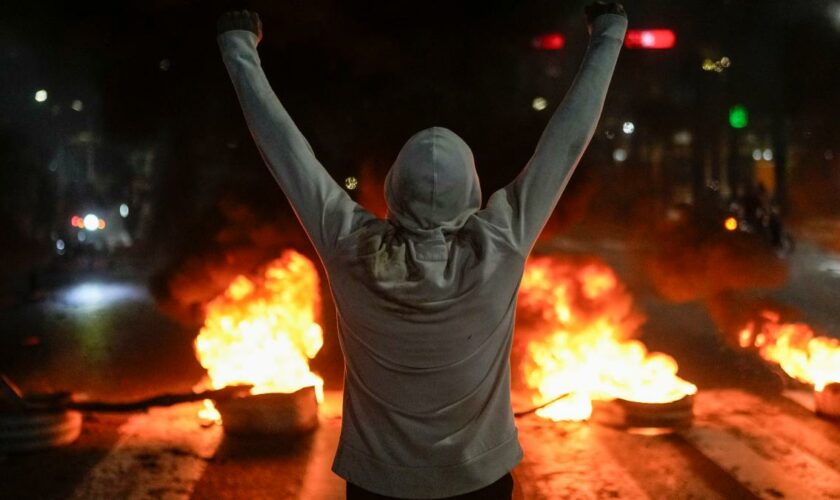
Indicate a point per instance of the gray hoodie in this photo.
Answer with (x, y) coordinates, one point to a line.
(425, 299)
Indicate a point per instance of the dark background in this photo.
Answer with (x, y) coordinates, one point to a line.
(160, 131)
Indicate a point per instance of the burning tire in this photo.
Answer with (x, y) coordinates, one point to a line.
(22, 431)
(827, 401)
(661, 417)
(271, 414)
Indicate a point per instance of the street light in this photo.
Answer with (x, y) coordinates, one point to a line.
(40, 95)
(539, 103)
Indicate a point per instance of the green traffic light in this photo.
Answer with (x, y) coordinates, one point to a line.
(738, 116)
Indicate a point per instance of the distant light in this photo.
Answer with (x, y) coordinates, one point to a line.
(351, 183)
(650, 39)
(41, 95)
(731, 223)
(834, 14)
(756, 154)
(91, 222)
(628, 127)
(93, 295)
(549, 41)
(101, 224)
(539, 103)
(620, 154)
(81, 236)
(76, 221)
(768, 154)
(86, 294)
(123, 210)
(77, 105)
(165, 64)
(717, 66)
(683, 138)
(59, 245)
(738, 116)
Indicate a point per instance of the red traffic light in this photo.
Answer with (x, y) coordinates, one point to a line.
(650, 39)
(549, 41)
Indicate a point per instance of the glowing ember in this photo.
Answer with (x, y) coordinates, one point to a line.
(263, 331)
(582, 323)
(807, 357)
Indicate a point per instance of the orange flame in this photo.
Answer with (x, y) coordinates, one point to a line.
(582, 320)
(263, 331)
(807, 357)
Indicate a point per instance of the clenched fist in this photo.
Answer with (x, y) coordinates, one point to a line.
(596, 9)
(240, 20)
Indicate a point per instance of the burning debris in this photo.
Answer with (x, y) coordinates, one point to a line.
(581, 330)
(263, 331)
(803, 355)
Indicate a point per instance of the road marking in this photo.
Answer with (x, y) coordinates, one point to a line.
(161, 454)
(566, 460)
(740, 433)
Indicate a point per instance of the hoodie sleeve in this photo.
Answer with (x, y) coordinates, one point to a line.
(523, 207)
(326, 211)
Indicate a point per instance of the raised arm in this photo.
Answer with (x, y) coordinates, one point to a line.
(523, 207)
(321, 205)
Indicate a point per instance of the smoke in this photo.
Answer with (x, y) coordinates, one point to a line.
(372, 189)
(242, 243)
(731, 312)
(695, 258)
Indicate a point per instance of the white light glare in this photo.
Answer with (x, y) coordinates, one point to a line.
(768, 154)
(620, 155)
(683, 138)
(756, 154)
(59, 245)
(539, 103)
(91, 222)
(77, 105)
(41, 95)
(628, 127)
(834, 14)
(123, 210)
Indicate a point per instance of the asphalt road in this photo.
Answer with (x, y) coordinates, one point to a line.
(108, 340)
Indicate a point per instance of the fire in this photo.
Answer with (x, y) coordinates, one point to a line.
(582, 324)
(262, 331)
(803, 355)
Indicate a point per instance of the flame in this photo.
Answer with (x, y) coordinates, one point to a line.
(582, 323)
(263, 332)
(795, 347)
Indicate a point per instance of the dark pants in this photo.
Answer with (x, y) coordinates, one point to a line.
(501, 489)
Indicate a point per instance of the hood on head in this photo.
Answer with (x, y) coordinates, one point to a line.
(433, 183)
